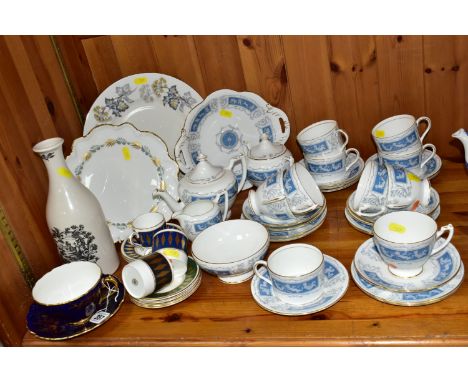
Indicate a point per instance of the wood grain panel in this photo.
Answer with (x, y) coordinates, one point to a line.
(309, 77)
(220, 63)
(177, 56)
(445, 66)
(134, 54)
(355, 85)
(264, 67)
(401, 75)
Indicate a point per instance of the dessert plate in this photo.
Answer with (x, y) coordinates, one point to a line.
(151, 101)
(122, 166)
(335, 286)
(330, 184)
(225, 125)
(431, 168)
(438, 270)
(409, 298)
(47, 329)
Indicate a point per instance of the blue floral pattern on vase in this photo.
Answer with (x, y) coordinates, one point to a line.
(399, 144)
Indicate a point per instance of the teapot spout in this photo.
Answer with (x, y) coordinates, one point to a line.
(170, 201)
(462, 136)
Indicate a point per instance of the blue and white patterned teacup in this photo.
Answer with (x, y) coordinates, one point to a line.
(410, 159)
(332, 166)
(371, 193)
(405, 241)
(144, 228)
(296, 273)
(322, 138)
(399, 133)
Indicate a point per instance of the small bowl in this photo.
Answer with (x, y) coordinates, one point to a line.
(230, 249)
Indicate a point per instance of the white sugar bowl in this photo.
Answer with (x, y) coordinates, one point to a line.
(267, 159)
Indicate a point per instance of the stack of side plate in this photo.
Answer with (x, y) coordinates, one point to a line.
(175, 292)
(365, 224)
(441, 276)
(287, 230)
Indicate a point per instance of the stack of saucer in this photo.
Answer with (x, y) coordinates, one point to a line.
(290, 229)
(404, 263)
(175, 292)
(325, 156)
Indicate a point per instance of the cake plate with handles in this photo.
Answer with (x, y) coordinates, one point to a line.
(151, 101)
(223, 124)
(122, 166)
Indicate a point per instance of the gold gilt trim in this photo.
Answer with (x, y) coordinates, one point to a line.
(66, 78)
(16, 250)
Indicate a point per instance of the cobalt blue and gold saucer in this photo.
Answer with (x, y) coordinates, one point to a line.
(50, 328)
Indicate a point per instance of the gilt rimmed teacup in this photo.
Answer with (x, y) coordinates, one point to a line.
(296, 273)
(410, 159)
(405, 240)
(331, 166)
(399, 133)
(406, 190)
(144, 227)
(371, 193)
(322, 138)
(72, 292)
(147, 275)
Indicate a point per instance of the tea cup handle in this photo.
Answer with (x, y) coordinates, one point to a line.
(131, 237)
(429, 125)
(226, 203)
(446, 228)
(433, 152)
(255, 267)
(346, 138)
(355, 151)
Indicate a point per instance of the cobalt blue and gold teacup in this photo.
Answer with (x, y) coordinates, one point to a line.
(144, 228)
(405, 240)
(295, 273)
(69, 295)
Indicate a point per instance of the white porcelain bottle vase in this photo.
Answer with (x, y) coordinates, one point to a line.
(73, 213)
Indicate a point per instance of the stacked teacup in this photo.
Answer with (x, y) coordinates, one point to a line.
(399, 143)
(326, 157)
(289, 204)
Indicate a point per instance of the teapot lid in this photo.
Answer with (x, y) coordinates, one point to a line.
(204, 171)
(266, 149)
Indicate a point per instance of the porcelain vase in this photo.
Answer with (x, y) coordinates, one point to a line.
(73, 213)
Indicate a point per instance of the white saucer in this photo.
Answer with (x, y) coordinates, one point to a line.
(337, 281)
(438, 270)
(431, 168)
(408, 298)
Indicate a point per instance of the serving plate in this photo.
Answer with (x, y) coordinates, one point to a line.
(122, 166)
(225, 125)
(151, 101)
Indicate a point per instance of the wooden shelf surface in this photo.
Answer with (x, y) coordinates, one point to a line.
(226, 315)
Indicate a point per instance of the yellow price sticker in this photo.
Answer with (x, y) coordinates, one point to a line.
(398, 228)
(380, 133)
(126, 153)
(170, 252)
(65, 172)
(140, 80)
(413, 177)
(225, 113)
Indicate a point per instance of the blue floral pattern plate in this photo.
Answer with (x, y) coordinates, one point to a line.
(153, 102)
(225, 125)
(336, 285)
(409, 298)
(48, 329)
(331, 184)
(431, 168)
(438, 270)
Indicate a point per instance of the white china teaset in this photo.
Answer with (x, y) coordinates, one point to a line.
(244, 146)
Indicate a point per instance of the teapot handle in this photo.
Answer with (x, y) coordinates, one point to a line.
(226, 203)
(240, 158)
(281, 115)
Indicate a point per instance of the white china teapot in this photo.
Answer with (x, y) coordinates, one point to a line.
(206, 181)
(196, 216)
